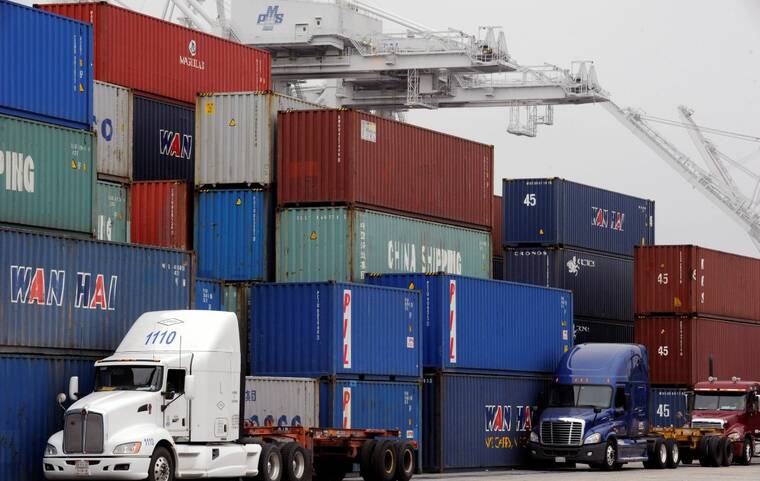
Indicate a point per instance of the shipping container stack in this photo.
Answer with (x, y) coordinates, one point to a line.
(694, 305)
(572, 236)
(497, 221)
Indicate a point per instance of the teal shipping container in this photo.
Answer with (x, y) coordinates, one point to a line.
(111, 208)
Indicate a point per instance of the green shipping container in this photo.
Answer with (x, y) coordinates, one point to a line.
(46, 176)
(111, 212)
(342, 244)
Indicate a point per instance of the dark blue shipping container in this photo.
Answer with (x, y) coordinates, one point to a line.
(602, 284)
(669, 407)
(557, 212)
(334, 329)
(595, 330)
(498, 268)
(163, 140)
(46, 67)
(29, 413)
(208, 295)
(79, 294)
(486, 325)
(234, 234)
(474, 421)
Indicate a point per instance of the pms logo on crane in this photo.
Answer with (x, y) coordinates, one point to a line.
(271, 17)
(176, 144)
(607, 219)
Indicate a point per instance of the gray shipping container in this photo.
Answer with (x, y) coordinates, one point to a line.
(237, 136)
(113, 127)
(282, 401)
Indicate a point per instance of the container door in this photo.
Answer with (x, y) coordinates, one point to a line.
(176, 419)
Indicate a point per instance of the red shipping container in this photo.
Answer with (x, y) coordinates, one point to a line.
(680, 348)
(165, 59)
(691, 280)
(497, 220)
(159, 213)
(349, 157)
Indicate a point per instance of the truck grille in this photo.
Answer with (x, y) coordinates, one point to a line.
(83, 433)
(705, 424)
(562, 433)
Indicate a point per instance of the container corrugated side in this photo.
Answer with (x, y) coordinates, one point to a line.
(497, 222)
(165, 59)
(160, 214)
(669, 406)
(47, 175)
(486, 325)
(597, 330)
(233, 234)
(328, 329)
(111, 212)
(236, 135)
(475, 421)
(338, 243)
(282, 401)
(208, 295)
(680, 349)
(30, 415)
(47, 67)
(602, 284)
(557, 212)
(344, 156)
(82, 294)
(113, 128)
(691, 280)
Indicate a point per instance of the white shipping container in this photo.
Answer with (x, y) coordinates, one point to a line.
(113, 128)
(237, 136)
(282, 401)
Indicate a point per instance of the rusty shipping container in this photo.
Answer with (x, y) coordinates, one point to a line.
(159, 214)
(497, 221)
(348, 157)
(150, 55)
(680, 349)
(692, 280)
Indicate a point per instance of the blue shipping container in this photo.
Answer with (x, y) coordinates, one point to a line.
(558, 212)
(208, 295)
(234, 234)
(669, 407)
(163, 140)
(334, 329)
(29, 413)
(596, 330)
(486, 325)
(79, 294)
(47, 67)
(474, 421)
(602, 284)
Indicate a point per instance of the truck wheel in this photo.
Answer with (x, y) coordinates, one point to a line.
(716, 453)
(384, 461)
(296, 462)
(610, 456)
(658, 458)
(365, 459)
(727, 450)
(703, 451)
(270, 463)
(161, 466)
(674, 455)
(404, 461)
(746, 457)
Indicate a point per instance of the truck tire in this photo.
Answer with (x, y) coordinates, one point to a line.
(716, 453)
(270, 463)
(703, 451)
(365, 459)
(296, 463)
(674, 454)
(658, 458)
(610, 456)
(405, 461)
(161, 466)
(384, 461)
(746, 458)
(728, 451)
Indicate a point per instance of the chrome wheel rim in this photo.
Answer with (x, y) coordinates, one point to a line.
(161, 470)
(663, 453)
(298, 465)
(610, 455)
(747, 451)
(273, 467)
(408, 461)
(675, 453)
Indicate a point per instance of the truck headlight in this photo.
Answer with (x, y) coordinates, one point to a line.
(50, 450)
(128, 448)
(593, 439)
(734, 436)
(534, 437)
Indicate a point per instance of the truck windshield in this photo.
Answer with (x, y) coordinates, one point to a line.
(128, 378)
(580, 396)
(720, 402)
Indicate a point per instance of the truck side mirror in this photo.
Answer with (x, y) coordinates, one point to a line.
(74, 388)
(190, 387)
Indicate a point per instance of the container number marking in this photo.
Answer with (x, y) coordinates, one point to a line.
(663, 351)
(663, 410)
(662, 278)
(163, 337)
(530, 200)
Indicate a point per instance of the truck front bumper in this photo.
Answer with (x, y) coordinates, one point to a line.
(587, 454)
(131, 467)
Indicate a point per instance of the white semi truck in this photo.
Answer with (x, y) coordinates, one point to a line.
(167, 406)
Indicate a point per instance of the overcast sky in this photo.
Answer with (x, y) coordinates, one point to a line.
(649, 54)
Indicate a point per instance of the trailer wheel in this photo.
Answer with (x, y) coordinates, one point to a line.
(365, 459)
(296, 462)
(384, 461)
(405, 461)
(674, 454)
(746, 457)
(270, 463)
(727, 450)
(658, 457)
(703, 451)
(161, 466)
(716, 453)
(610, 456)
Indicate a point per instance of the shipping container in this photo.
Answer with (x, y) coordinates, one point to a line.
(113, 128)
(680, 349)
(486, 325)
(208, 295)
(47, 67)
(81, 294)
(234, 234)
(339, 243)
(282, 401)
(236, 135)
(215, 295)
(165, 59)
(596, 330)
(160, 214)
(498, 269)
(602, 284)
(684, 279)
(29, 413)
(349, 157)
(476, 421)
(111, 212)
(334, 329)
(163, 136)
(497, 221)
(47, 175)
(557, 212)
(669, 406)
